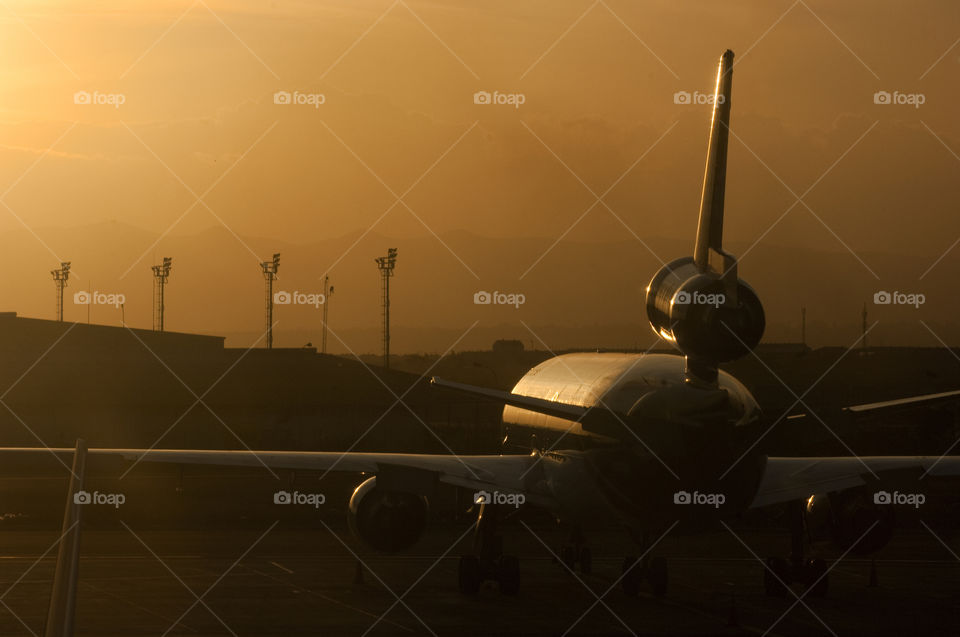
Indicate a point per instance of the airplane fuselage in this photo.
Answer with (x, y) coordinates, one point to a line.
(613, 381)
(670, 442)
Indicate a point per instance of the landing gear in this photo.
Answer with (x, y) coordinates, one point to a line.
(508, 574)
(652, 570)
(489, 563)
(780, 573)
(573, 557)
(632, 576)
(776, 577)
(817, 580)
(576, 553)
(586, 561)
(470, 575)
(657, 576)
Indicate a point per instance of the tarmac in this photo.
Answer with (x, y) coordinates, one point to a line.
(283, 579)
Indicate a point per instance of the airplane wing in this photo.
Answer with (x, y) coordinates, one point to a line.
(508, 474)
(786, 479)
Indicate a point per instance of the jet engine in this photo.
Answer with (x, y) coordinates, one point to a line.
(697, 312)
(844, 518)
(388, 521)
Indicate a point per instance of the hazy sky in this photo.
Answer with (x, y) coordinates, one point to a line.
(597, 81)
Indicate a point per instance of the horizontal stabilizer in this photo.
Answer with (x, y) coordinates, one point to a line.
(539, 405)
(912, 401)
(599, 420)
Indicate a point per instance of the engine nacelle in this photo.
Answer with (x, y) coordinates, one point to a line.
(690, 308)
(388, 521)
(845, 516)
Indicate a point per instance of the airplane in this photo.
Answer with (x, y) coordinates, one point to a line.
(643, 440)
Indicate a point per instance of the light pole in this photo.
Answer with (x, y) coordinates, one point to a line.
(269, 274)
(60, 277)
(160, 274)
(386, 265)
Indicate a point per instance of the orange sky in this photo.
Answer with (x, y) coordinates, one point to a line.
(198, 119)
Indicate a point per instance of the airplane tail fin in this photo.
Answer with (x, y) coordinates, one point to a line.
(699, 303)
(63, 597)
(708, 254)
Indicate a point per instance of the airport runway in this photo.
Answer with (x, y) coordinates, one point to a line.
(292, 581)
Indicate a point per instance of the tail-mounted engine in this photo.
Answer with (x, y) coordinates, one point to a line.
(695, 311)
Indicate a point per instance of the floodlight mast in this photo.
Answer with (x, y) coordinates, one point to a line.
(269, 274)
(160, 274)
(386, 265)
(60, 277)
